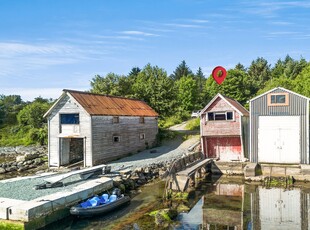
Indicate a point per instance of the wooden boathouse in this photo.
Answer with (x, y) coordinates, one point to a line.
(224, 129)
(97, 128)
(279, 124)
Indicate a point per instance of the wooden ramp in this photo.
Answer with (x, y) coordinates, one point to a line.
(83, 174)
(182, 178)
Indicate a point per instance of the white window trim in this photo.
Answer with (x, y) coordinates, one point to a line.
(220, 112)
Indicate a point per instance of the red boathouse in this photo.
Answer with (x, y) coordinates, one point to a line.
(224, 129)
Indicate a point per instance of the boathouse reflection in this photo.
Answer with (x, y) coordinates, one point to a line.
(278, 208)
(236, 206)
(223, 207)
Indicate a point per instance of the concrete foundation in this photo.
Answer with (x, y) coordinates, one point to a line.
(229, 168)
(44, 210)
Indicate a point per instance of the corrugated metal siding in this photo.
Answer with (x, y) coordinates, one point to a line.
(297, 107)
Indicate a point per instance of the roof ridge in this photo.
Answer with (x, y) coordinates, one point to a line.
(98, 94)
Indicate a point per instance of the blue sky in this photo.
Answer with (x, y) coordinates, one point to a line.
(49, 45)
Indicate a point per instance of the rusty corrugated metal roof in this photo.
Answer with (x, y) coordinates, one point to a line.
(98, 104)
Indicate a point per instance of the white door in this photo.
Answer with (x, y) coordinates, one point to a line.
(279, 139)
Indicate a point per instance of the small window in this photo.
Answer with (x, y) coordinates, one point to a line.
(229, 116)
(210, 116)
(220, 116)
(115, 120)
(278, 99)
(116, 139)
(141, 120)
(70, 118)
(142, 136)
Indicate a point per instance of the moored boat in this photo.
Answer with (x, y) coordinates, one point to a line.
(99, 205)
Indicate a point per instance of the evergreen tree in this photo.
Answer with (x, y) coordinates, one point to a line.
(181, 71)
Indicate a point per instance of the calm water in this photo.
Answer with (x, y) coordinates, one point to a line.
(218, 203)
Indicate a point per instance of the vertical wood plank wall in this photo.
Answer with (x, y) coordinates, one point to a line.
(67, 105)
(128, 129)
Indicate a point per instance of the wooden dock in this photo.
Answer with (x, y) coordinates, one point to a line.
(180, 180)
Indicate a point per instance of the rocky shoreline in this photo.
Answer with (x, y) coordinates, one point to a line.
(21, 158)
(128, 180)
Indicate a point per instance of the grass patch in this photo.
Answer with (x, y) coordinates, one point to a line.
(193, 124)
(169, 121)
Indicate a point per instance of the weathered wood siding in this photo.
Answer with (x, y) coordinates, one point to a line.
(67, 105)
(128, 129)
(220, 128)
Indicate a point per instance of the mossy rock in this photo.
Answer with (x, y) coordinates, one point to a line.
(180, 195)
(163, 216)
(182, 208)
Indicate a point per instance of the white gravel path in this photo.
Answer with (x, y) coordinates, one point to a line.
(168, 151)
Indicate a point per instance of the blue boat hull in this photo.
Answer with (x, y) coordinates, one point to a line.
(100, 209)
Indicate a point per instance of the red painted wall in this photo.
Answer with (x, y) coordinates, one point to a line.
(224, 148)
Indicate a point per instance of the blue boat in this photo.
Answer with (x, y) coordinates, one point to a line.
(99, 205)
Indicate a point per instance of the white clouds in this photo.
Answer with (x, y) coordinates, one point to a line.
(183, 25)
(8, 49)
(16, 58)
(135, 32)
(28, 94)
(199, 21)
(281, 23)
(271, 9)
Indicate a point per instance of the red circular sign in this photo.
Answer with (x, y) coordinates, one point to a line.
(219, 74)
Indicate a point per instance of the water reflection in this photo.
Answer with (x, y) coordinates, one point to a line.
(219, 203)
(280, 209)
(228, 204)
(223, 207)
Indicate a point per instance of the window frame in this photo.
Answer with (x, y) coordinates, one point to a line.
(220, 113)
(269, 103)
(74, 114)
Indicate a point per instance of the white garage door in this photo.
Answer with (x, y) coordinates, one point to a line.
(279, 139)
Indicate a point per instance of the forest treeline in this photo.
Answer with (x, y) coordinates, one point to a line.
(173, 96)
